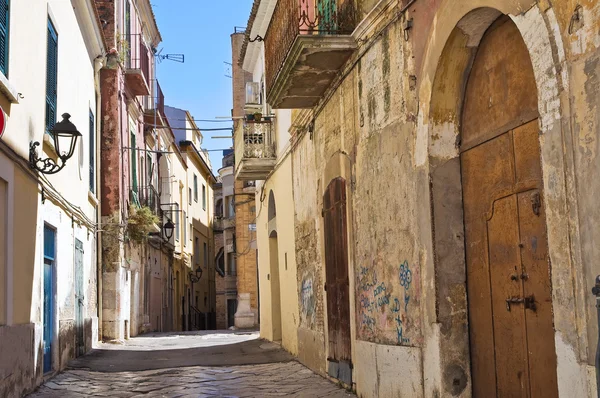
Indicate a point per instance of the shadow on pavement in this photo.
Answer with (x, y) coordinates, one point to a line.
(180, 350)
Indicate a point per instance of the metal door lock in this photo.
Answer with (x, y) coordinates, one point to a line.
(529, 302)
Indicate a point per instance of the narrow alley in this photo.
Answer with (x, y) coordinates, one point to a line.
(189, 364)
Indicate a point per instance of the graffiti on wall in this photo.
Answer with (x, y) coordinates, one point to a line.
(307, 301)
(384, 304)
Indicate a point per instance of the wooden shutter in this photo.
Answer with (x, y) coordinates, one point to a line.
(4, 25)
(51, 77)
(134, 180)
(92, 155)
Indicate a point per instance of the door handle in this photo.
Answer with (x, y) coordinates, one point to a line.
(529, 302)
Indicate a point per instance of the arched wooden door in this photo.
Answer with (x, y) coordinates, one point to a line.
(508, 269)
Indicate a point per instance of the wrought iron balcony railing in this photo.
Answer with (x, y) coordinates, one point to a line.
(292, 18)
(149, 197)
(136, 58)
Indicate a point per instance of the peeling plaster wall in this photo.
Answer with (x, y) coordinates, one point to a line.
(404, 185)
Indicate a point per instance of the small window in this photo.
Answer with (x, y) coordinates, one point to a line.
(184, 228)
(205, 247)
(190, 195)
(195, 188)
(203, 197)
(176, 223)
(197, 250)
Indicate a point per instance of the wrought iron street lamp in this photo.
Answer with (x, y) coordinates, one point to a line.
(64, 135)
(168, 229)
(195, 277)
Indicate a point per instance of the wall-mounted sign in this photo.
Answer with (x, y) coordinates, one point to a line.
(2, 122)
(252, 227)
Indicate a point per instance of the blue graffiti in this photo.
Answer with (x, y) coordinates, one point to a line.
(405, 275)
(379, 289)
(396, 307)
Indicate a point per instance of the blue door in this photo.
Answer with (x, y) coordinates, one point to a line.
(49, 257)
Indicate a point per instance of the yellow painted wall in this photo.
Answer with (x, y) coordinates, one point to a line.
(280, 183)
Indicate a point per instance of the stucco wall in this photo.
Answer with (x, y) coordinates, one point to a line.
(384, 130)
(280, 183)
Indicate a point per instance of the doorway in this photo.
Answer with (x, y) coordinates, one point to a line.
(231, 309)
(275, 287)
(337, 281)
(49, 265)
(508, 270)
(79, 300)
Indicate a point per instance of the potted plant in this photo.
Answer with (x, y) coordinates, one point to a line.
(257, 116)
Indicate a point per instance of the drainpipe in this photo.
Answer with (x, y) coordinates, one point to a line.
(98, 64)
(596, 292)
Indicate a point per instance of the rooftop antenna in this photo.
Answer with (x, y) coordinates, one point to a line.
(228, 69)
(171, 57)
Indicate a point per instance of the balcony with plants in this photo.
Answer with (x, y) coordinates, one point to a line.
(306, 45)
(135, 57)
(254, 139)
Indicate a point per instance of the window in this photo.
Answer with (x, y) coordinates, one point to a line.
(219, 208)
(203, 197)
(197, 250)
(149, 169)
(205, 247)
(195, 188)
(176, 223)
(231, 266)
(92, 145)
(134, 181)
(51, 76)
(190, 195)
(230, 206)
(4, 35)
(184, 228)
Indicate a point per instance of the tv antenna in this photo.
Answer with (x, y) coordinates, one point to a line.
(171, 57)
(228, 72)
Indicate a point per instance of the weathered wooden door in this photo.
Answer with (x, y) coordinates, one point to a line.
(336, 271)
(79, 300)
(508, 276)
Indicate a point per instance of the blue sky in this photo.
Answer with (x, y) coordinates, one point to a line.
(201, 30)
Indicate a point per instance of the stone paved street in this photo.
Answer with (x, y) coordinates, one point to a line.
(240, 366)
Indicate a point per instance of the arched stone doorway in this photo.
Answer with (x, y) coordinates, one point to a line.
(274, 271)
(505, 110)
(508, 277)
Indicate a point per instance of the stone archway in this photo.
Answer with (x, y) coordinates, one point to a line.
(446, 69)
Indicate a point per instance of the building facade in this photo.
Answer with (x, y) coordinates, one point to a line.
(130, 112)
(442, 162)
(193, 208)
(51, 52)
(247, 311)
(225, 260)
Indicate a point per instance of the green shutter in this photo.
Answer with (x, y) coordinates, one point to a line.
(51, 77)
(92, 155)
(134, 181)
(326, 10)
(4, 30)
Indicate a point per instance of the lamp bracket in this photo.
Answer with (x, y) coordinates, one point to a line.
(46, 166)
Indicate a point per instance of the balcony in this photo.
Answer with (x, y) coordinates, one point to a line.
(148, 196)
(137, 64)
(306, 45)
(154, 104)
(255, 155)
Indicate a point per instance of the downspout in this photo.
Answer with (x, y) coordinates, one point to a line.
(98, 64)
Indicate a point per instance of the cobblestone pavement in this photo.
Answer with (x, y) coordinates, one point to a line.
(286, 378)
